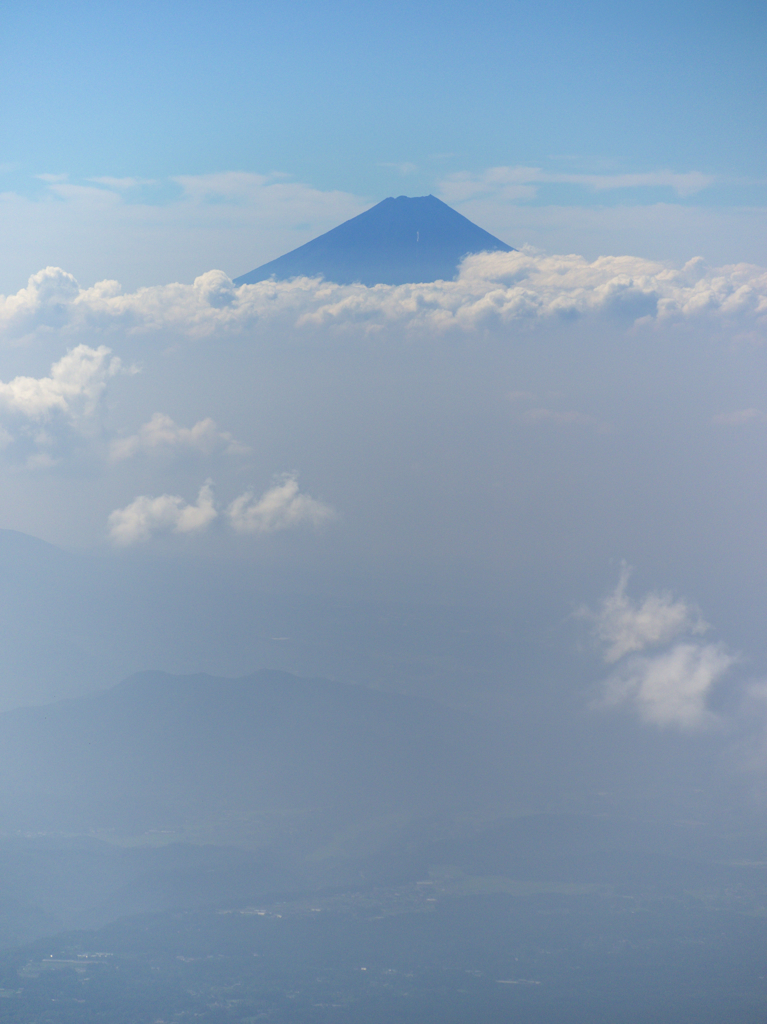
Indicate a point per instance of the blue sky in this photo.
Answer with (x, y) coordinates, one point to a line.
(602, 106)
(333, 92)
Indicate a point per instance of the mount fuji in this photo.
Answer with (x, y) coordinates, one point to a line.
(398, 241)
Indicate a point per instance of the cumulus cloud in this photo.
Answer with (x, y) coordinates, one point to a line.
(623, 626)
(492, 289)
(670, 689)
(281, 507)
(161, 432)
(167, 513)
(666, 687)
(46, 302)
(281, 199)
(74, 387)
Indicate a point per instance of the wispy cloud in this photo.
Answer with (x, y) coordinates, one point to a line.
(145, 231)
(519, 182)
(162, 433)
(491, 289)
(274, 193)
(403, 168)
(671, 688)
(73, 389)
(563, 418)
(122, 184)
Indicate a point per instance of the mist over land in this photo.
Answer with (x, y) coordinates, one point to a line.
(415, 624)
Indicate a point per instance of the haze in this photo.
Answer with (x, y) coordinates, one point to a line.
(318, 596)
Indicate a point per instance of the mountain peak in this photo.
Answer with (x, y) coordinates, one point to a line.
(407, 240)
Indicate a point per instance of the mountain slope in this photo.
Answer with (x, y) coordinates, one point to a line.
(398, 241)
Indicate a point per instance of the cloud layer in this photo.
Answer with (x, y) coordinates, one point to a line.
(169, 512)
(492, 290)
(623, 626)
(671, 688)
(161, 433)
(42, 417)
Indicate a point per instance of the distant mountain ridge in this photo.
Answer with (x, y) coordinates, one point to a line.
(174, 752)
(398, 241)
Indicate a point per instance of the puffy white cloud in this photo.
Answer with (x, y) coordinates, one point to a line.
(168, 512)
(624, 626)
(492, 289)
(281, 507)
(74, 387)
(403, 168)
(671, 688)
(668, 688)
(161, 432)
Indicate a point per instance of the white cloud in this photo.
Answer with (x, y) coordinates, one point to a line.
(493, 289)
(74, 387)
(281, 507)
(734, 419)
(670, 689)
(667, 688)
(514, 183)
(623, 626)
(161, 432)
(562, 418)
(665, 231)
(146, 516)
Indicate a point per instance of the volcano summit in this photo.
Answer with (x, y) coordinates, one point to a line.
(398, 241)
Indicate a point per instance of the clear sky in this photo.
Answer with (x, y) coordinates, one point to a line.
(552, 124)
